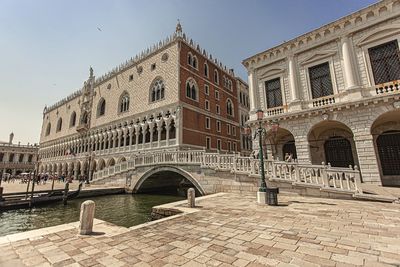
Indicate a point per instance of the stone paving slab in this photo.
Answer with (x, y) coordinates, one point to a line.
(231, 230)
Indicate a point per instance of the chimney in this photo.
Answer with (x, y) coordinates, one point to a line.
(11, 138)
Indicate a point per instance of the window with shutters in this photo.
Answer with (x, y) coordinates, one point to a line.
(320, 80)
(273, 93)
(385, 62)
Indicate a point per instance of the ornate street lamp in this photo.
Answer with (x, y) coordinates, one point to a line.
(265, 195)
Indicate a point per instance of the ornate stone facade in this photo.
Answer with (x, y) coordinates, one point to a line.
(173, 96)
(335, 93)
(17, 158)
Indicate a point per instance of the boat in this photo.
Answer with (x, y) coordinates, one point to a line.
(24, 200)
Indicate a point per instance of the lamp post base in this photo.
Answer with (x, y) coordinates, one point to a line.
(261, 197)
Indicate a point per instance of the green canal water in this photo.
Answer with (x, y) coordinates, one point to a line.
(123, 210)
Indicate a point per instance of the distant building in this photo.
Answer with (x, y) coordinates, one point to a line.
(172, 96)
(17, 158)
(334, 92)
(244, 108)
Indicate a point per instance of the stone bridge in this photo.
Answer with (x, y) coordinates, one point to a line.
(213, 172)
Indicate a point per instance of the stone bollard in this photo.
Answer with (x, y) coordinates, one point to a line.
(191, 198)
(86, 217)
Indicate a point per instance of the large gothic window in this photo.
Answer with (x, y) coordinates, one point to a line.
(320, 80)
(385, 62)
(48, 128)
(101, 107)
(124, 102)
(273, 93)
(191, 90)
(157, 90)
(229, 107)
(85, 118)
(59, 124)
(205, 69)
(72, 120)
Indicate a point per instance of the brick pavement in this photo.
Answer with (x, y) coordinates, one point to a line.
(231, 230)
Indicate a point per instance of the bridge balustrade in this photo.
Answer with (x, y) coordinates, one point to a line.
(325, 176)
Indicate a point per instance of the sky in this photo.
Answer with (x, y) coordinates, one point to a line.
(47, 46)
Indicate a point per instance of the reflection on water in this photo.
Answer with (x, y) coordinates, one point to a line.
(124, 210)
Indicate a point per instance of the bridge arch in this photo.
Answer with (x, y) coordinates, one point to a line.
(155, 172)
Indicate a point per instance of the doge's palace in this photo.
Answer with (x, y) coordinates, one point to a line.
(174, 95)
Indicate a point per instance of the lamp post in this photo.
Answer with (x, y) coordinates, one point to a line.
(265, 195)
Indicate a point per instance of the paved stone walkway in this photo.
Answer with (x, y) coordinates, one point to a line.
(231, 230)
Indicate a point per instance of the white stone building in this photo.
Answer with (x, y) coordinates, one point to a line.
(244, 108)
(335, 94)
(16, 158)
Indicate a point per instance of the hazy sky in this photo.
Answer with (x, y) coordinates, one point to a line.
(47, 46)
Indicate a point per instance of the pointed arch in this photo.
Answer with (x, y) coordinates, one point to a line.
(124, 100)
(48, 129)
(59, 125)
(192, 90)
(101, 107)
(216, 76)
(157, 90)
(72, 120)
(230, 107)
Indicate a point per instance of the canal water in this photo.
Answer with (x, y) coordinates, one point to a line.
(123, 210)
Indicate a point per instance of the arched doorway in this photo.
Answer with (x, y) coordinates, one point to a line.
(167, 180)
(338, 152)
(386, 135)
(279, 144)
(388, 145)
(332, 142)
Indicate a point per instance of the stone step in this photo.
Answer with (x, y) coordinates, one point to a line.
(380, 198)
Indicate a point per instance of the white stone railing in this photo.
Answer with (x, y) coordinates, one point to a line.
(324, 176)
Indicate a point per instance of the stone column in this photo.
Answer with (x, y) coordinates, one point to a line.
(86, 217)
(167, 132)
(295, 103)
(367, 158)
(159, 129)
(151, 129)
(137, 136)
(253, 91)
(293, 78)
(348, 64)
(302, 148)
(130, 135)
(144, 131)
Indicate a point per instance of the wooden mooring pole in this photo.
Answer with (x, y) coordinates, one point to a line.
(33, 188)
(65, 195)
(27, 188)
